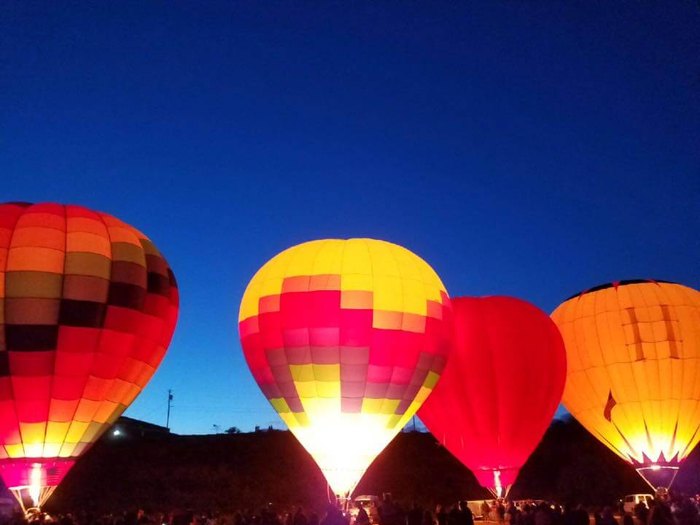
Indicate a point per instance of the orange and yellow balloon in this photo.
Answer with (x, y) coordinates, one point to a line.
(346, 339)
(634, 371)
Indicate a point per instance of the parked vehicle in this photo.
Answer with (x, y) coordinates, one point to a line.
(630, 501)
(476, 506)
(369, 503)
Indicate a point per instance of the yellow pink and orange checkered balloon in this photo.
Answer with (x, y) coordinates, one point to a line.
(346, 339)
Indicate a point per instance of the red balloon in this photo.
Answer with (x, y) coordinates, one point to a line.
(499, 389)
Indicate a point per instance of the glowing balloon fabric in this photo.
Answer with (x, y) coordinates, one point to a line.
(500, 387)
(345, 338)
(87, 309)
(634, 370)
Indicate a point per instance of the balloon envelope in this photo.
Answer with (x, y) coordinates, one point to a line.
(500, 388)
(634, 371)
(87, 309)
(345, 338)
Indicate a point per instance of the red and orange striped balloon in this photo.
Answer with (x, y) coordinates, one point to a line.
(87, 309)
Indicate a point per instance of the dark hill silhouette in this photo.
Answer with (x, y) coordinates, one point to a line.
(226, 472)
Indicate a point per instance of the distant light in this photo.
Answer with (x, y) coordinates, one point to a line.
(655, 467)
(116, 432)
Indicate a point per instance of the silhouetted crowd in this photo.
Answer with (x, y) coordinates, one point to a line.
(663, 510)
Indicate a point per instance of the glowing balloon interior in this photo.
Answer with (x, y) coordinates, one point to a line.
(500, 388)
(345, 338)
(634, 371)
(87, 309)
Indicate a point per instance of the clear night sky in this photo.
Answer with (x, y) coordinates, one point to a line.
(526, 148)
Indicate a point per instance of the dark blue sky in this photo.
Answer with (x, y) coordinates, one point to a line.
(526, 148)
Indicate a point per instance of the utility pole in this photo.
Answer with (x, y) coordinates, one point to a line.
(170, 404)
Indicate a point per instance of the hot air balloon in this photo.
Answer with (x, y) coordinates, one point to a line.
(634, 371)
(87, 309)
(500, 387)
(345, 338)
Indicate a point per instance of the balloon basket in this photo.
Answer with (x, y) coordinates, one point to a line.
(499, 494)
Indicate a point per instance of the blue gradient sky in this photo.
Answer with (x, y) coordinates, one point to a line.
(522, 148)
